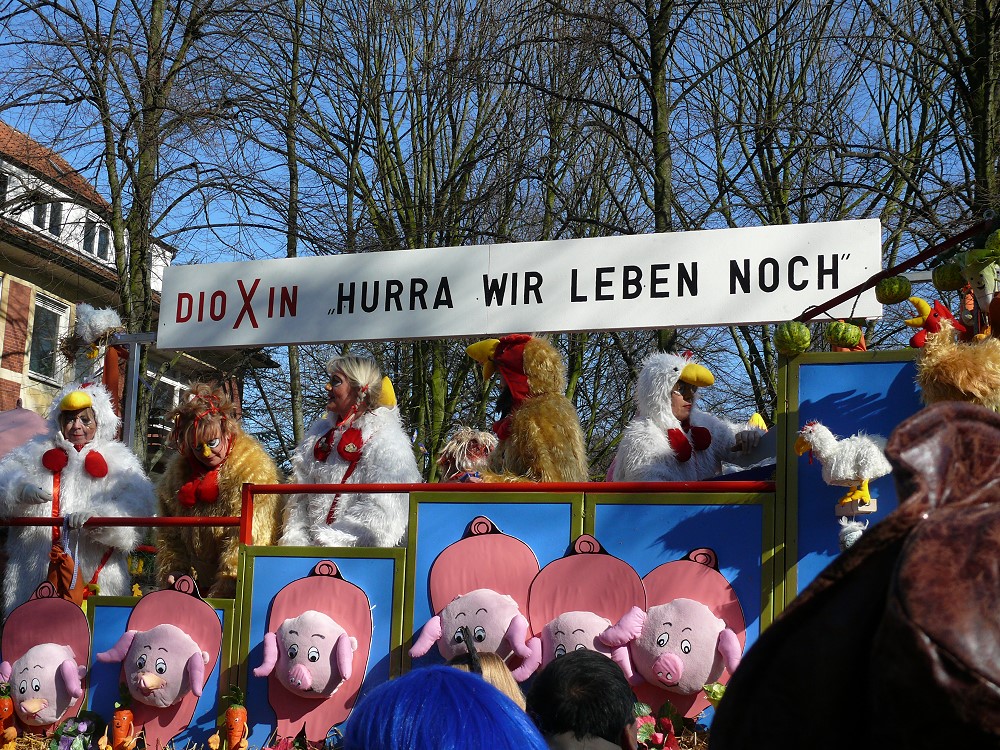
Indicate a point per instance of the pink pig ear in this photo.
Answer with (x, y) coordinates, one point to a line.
(729, 647)
(343, 652)
(270, 656)
(118, 651)
(429, 635)
(5, 671)
(196, 671)
(517, 635)
(627, 629)
(71, 678)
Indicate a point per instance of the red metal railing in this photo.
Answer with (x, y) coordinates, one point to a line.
(245, 520)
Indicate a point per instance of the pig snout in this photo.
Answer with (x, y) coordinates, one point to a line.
(669, 669)
(33, 705)
(300, 678)
(148, 682)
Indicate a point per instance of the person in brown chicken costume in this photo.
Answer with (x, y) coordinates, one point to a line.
(539, 431)
(896, 643)
(215, 457)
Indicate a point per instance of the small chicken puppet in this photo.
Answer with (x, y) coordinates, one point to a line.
(465, 455)
(851, 462)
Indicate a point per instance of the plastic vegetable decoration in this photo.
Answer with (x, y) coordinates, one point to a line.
(893, 290)
(948, 277)
(6, 706)
(792, 338)
(236, 720)
(123, 724)
(842, 334)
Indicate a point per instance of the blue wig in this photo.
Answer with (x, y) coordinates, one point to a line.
(439, 708)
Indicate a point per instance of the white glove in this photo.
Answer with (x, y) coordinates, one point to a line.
(32, 494)
(746, 441)
(78, 519)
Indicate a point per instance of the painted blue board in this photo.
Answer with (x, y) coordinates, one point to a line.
(110, 618)
(274, 568)
(646, 535)
(655, 529)
(847, 397)
(545, 525)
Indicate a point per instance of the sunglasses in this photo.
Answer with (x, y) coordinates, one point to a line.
(686, 390)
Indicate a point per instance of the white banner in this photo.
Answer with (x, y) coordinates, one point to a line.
(705, 278)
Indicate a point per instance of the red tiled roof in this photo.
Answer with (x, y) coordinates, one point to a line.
(26, 152)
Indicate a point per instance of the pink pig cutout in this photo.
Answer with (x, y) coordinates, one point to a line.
(693, 632)
(167, 693)
(44, 683)
(575, 600)
(481, 581)
(45, 645)
(318, 694)
(161, 665)
(311, 655)
(682, 647)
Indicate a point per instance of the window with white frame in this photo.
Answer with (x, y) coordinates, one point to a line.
(96, 239)
(4, 187)
(47, 214)
(50, 323)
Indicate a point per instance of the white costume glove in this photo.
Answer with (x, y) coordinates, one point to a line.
(78, 519)
(746, 441)
(32, 494)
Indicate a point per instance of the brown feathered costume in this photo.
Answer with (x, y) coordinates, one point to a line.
(540, 435)
(896, 644)
(952, 370)
(211, 553)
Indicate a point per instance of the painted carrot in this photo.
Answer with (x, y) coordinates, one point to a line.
(122, 728)
(6, 706)
(236, 720)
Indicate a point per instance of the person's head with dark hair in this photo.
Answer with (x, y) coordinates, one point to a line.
(583, 695)
(439, 708)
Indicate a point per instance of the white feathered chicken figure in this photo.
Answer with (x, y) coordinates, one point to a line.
(850, 462)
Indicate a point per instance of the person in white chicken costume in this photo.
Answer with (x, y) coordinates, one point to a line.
(360, 441)
(670, 439)
(78, 470)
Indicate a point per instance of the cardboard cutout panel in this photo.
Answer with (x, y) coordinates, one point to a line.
(46, 652)
(573, 599)
(267, 573)
(315, 681)
(853, 394)
(182, 608)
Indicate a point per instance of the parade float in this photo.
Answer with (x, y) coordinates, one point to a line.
(519, 564)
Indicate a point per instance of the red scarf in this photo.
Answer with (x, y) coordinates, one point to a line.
(700, 439)
(203, 487)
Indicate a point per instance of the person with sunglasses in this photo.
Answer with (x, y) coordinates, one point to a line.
(670, 439)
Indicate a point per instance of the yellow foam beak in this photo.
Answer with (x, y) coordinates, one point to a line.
(205, 450)
(695, 374)
(923, 310)
(75, 400)
(388, 396)
(482, 352)
(801, 446)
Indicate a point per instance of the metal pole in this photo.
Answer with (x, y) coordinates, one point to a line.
(133, 341)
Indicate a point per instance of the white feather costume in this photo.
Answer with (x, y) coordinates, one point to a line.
(360, 519)
(124, 491)
(645, 453)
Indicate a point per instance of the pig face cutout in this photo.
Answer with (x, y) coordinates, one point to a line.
(683, 646)
(493, 619)
(161, 665)
(44, 683)
(311, 655)
(573, 631)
